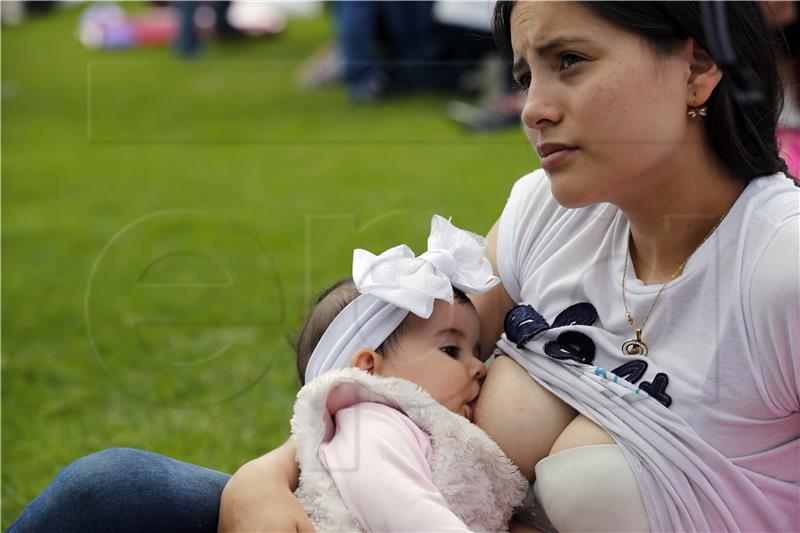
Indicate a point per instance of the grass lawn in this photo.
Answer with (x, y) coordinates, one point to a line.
(164, 225)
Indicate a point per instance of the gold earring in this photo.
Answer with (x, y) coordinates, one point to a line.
(695, 111)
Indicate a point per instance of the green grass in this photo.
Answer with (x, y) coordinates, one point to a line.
(164, 224)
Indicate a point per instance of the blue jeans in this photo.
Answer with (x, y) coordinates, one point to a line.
(402, 42)
(396, 39)
(124, 489)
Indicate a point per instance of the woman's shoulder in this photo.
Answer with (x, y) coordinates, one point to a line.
(533, 226)
(773, 200)
(532, 192)
(768, 217)
(532, 216)
(531, 197)
(768, 249)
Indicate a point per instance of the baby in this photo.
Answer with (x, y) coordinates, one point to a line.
(390, 362)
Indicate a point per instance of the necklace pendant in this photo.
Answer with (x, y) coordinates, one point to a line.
(634, 347)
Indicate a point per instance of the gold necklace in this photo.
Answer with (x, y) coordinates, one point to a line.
(637, 346)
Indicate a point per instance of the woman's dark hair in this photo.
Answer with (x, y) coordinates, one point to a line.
(328, 305)
(742, 135)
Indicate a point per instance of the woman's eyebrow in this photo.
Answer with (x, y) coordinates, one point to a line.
(559, 42)
(546, 48)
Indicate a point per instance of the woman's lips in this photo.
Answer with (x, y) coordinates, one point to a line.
(557, 157)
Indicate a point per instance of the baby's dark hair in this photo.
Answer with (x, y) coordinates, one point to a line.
(329, 304)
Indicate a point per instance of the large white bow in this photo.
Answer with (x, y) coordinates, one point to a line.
(454, 259)
(395, 283)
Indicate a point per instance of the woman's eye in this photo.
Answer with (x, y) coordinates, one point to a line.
(524, 82)
(567, 60)
(452, 351)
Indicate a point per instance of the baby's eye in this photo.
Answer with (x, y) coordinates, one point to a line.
(452, 351)
(567, 60)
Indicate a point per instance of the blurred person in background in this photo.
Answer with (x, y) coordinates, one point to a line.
(187, 41)
(400, 47)
(500, 102)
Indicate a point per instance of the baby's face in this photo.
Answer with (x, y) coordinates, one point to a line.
(440, 354)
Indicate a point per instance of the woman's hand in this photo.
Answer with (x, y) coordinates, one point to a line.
(259, 496)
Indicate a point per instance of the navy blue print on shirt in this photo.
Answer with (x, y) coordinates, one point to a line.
(571, 345)
(522, 323)
(580, 314)
(658, 388)
(632, 370)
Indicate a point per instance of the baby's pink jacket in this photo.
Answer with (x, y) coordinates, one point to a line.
(388, 484)
(379, 454)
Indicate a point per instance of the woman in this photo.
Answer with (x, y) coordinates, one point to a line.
(661, 216)
(665, 237)
(653, 191)
(663, 164)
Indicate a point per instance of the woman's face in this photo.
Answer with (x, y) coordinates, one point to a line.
(606, 114)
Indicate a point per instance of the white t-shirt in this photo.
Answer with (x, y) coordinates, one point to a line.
(723, 339)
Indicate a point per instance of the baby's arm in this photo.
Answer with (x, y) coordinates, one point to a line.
(259, 495)
(378, 460)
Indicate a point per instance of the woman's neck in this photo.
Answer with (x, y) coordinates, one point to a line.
(676, 215)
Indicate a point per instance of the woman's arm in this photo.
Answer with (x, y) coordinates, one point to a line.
(259, 496)
(492, 306)
(520, 415)
(526, 420)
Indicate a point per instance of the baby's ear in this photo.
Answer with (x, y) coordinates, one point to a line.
(367, 360)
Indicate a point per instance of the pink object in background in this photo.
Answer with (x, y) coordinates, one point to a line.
(106, 25)
(789, 142)
(155, 27)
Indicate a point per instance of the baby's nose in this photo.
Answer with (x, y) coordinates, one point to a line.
(480, 371)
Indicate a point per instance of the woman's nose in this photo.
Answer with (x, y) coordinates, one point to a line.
(540, 109)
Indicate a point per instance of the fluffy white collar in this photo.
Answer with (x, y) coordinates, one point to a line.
(477, 480)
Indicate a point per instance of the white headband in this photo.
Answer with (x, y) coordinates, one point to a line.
(395, 283)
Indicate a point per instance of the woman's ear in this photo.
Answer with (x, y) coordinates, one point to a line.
(704, 74)
(367, 360)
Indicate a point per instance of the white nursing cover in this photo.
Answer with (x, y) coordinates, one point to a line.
(395, 283)
(477, 480)
(686, 484)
